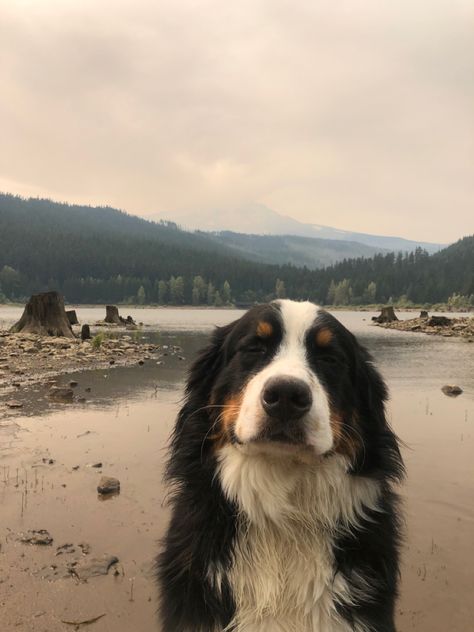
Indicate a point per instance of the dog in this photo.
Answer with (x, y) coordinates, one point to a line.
(282, 470)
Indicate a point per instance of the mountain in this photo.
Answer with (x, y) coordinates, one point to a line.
(298, 251)
(96, 255)
(258, 219)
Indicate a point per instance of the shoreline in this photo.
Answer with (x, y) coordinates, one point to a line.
(29, 359)
(449, 328)
(436, 308)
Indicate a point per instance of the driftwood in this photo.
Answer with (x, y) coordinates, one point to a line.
(72, 317)
(439, 321)
(387, 315)
(44, 314)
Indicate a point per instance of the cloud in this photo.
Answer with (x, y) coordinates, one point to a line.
(357, 115)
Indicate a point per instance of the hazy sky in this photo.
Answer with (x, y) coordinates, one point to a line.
(356, 114)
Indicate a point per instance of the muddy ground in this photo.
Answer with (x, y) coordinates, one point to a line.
(53, 455)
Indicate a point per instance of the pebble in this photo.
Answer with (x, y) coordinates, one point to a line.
(36, 536)
(452, 390)
(108, 485)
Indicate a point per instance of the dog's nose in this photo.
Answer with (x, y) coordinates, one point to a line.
(286, 397)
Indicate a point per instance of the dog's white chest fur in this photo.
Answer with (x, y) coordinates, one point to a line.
(283, 577)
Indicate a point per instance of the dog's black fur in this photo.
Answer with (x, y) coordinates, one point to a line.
(204, 522)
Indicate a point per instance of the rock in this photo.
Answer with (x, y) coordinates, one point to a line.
(73, 383)
(94, 567)
(13, 403)
(141, 362)
(36, 536)
(98, 465)
(61, 394)
(108, 485)
(111, 362)
(452, 390)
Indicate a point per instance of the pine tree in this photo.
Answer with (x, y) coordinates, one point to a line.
(162, 292)
(226, 293)
(141, 295)
(280, 290)
(211, 290)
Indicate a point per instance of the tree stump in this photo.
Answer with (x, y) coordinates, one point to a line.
(45, 315)
(424, 314)
(387, 315)
(72, 317)
(112, 315)
(85, 332)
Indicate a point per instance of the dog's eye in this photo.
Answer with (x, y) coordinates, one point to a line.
(329, 360)
(255, 348)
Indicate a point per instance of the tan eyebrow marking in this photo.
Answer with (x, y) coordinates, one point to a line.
(323, 337)
(264, 329)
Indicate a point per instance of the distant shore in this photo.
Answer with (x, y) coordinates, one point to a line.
(438, 308)
(437, 326)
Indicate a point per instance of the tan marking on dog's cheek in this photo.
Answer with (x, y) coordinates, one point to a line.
(324, 337)
(346, 442)
(264, 329)
(227, 417)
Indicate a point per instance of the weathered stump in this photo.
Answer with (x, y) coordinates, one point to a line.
(112, 315)
(72, 317)
(85, 332)
(424, 314)
(45, 315)
(387, 315)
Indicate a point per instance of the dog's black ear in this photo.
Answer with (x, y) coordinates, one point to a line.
(209, 361)
(369, 386)
(382, 452)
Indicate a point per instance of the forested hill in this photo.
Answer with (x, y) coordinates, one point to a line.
(300, 251)
(99, 254)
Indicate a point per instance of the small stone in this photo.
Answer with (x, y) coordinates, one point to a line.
(61, 394)
(13, 403)
(93, 567)
(141, 362)
(108, 485)
(98, 465)
(452, 390)
(73, 383)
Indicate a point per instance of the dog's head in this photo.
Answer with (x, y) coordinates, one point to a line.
(287, 378)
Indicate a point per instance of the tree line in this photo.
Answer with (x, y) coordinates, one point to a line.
(103, 255)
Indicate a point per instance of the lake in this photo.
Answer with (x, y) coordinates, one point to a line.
(125, 424)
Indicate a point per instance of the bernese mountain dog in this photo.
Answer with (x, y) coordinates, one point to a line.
(282, 467)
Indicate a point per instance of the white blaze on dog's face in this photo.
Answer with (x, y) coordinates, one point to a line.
(285, 382)
(285, 402)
